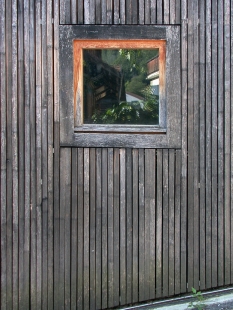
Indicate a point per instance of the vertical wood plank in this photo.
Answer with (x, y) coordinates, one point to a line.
(92, 11)
(141, 177)
(92, 228)
(110, 230)
(103, 12)
(116, 11)
(202, 142)
(15, 220)
(122, 12)
(190, 144)
(214, 152)
(56, 154)
(123, 254)
(171, 221)
(153, 13)
(98, 12)
(80, 278)
(184, 144)
(135, 279)
(38, 152)
(3, 153)
(86, 5)
(227, 154)
(196, 117)
(27, 154)
(147, 12)
(220, 250)
(165, 264)
(231, 98)
(98, 228)
(159, 11)
(73, 7)
(116, 234)
(80, 9)
(141, 10)
(9, 172)
(66, 211)
(208, 143)
(109, 20)
(129, 224)
(104, 232)
(159, 222)
(74, 230)
(177, 250)
(86, 228)
(166, 12)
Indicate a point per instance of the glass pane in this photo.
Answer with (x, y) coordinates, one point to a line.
(121, 86)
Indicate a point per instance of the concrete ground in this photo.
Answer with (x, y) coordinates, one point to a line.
(213, 300)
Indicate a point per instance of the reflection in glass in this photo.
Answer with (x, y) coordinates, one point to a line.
(121, 86)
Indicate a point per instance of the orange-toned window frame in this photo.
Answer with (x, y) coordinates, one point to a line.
(80, 45)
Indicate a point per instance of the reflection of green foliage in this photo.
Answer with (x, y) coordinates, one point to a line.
(136, 85)
(126, 113)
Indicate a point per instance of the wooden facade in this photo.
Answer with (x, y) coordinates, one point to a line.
(96, 228)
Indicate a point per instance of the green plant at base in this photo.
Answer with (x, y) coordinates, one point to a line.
(199, 303)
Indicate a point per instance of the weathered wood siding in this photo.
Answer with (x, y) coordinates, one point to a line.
(96, 228)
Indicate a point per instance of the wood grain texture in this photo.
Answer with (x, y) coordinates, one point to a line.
(99, 223)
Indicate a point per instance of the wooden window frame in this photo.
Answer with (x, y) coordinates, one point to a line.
(73, 39)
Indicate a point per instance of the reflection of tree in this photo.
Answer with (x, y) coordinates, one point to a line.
(131, 113)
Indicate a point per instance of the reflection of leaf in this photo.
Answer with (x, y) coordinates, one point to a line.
(126, 113)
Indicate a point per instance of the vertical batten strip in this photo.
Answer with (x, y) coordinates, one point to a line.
(171, 221)
(21, 144)
(27, 180)
(190, 144)
(104, 232)
(184, 144)
(109, 12)
(50, 118)
(220, 241)
(38, 151)
(135, 195)
(74, 229)
(227, 155)
(165, 239)
(177, 248)
(166, 12)
(44, 152)
(86, 6)
(123, 238)
(141, 11)
(228, 100)
(80, 11)
(208, 142)
(202, 142)
(122, 12)
(9, 172)
(147, 12)
(33, 228)
(92, 228)
(159, 222)
(160, 18)
(214, 151)
(74, 12)
(141, 238)
(103, 12)
(116, 12)
(98, 228)
(129, 224)
(15, 156)
(196, 159)
(153, 12)
(110, 230)
(80, 262)
(65, 218)
(116, 241)
(56, 156)
(3, 145)
(86, 229)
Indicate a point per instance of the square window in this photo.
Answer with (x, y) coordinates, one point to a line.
(115, 86)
